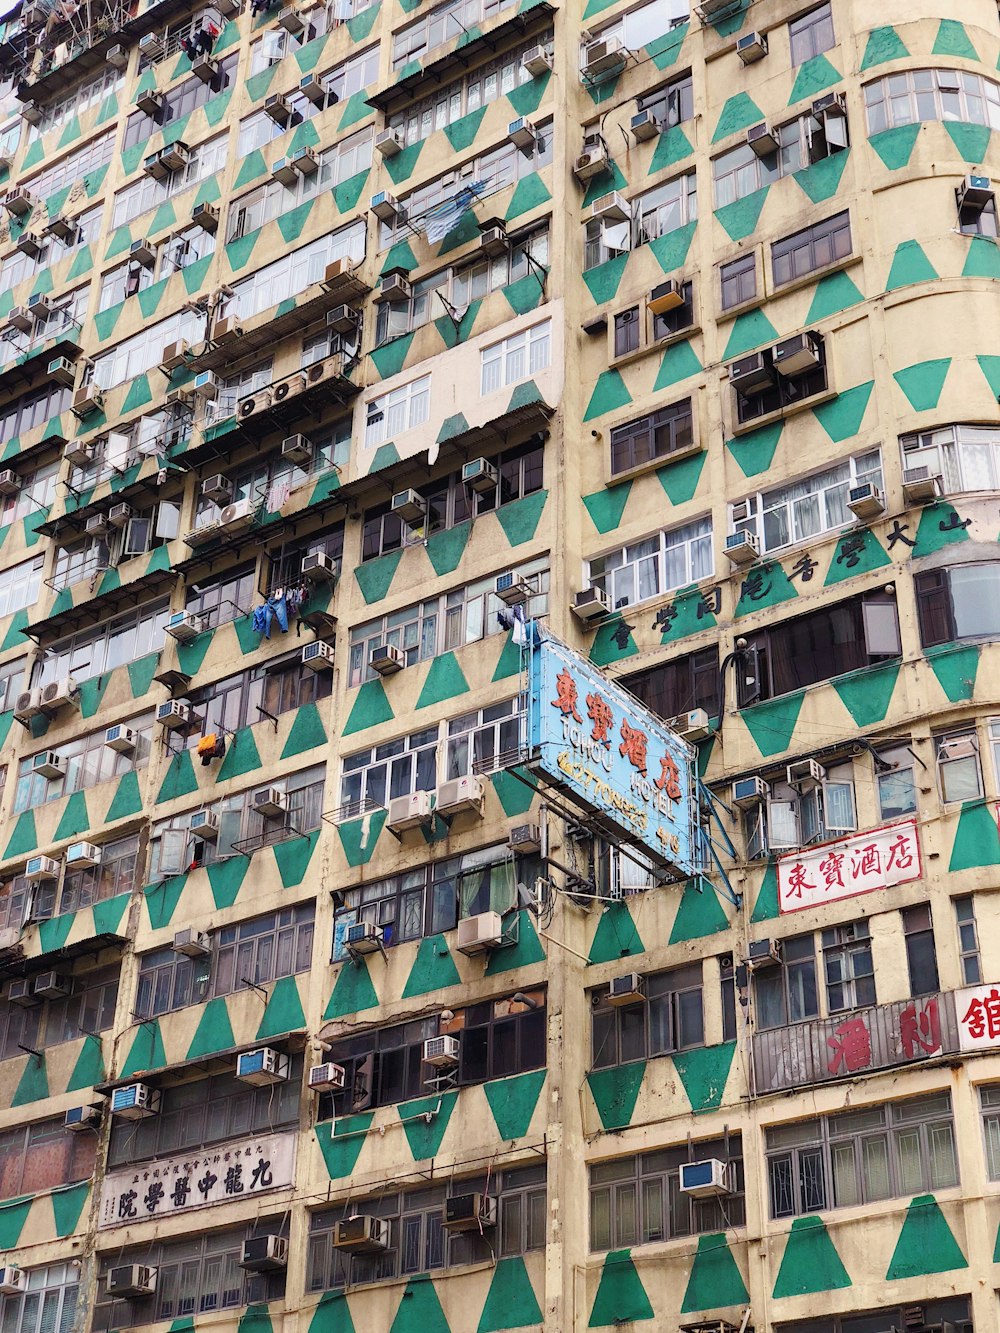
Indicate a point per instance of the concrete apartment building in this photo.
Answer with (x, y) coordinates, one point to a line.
(344, 349)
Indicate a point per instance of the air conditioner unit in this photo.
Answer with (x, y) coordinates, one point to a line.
(613, 207)
(19, 203)
(363, 937)
(442, 1052)
(342, 319)
(522, 134)
(155, 167)
(318, 567)
(135, 1101)
(304, 162)
(389, 142)
(191, 943)
(291, 20)
(750, 792)
(707, 1179)
(87, 401)
(10, 482)
(384, 205)
(804, 774)
(627, 989)
(59, 693)
(288, 388)
(32, 113)
(318, 656)
(921, 485)
(797, 355)
(20, 318)
(409, 812)
(751, 47)
(365, 1235)
(226, 331)
(865, 501)
(479, 934)
(264, 1254)
(131, 1280)
(386, 659)
(513, 590)
(270, 801)
(742, 548)
(975, 192)
(666, 296)
(80, 453)
(458, 794)
(237, 516)
(30, 244)
(119, 515)
(313, 90)
(62, 371)
(62, 228)
(411, 507)
(97, 525)
(204, 825)
(829, 103)
(40, 307)
(82, 854)
(536, 61)
(763, 140)
(525, 839)
(40, 869)
(205, 216)
(206, 385)
(480, 476)
(174, 714)
(709, 10)
(327, 1078)
(149, 102)
(174, 156)
(21, 993)
(752, 373)
(763, 953)
(120, 738)
(262, 1067)
(143, 252)
(493, 242)
(604, 56)
(217, 488)
(151, 46)
(692, 726)
(175, 355)
(644, 125)
(469, 1212)
(254, 405)
(79, 1118)
(205, 68)
(590, 604)
(590, 164)
(28, 704)
(12, 1280)
(47, 764)
(117, 57)
(393, 288)
(52, 986)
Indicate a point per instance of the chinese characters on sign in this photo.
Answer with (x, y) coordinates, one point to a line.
(213, 1175)
(834, 870)
(611, 755)
(978, 1011)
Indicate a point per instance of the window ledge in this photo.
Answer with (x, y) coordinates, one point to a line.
(769, 418)
(615, 478)
(648, 348)
(811, 278)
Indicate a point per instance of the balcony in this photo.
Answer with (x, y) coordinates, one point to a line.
(860, 1041)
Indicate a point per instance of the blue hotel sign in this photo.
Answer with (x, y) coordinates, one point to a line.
(609, 754)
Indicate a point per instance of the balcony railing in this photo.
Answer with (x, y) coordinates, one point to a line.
(858, 1042)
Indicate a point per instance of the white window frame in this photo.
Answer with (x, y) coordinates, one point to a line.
(515, 358)
(748, 515)
(405, 407)
(694, 539)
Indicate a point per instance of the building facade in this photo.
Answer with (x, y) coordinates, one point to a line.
(341, 346)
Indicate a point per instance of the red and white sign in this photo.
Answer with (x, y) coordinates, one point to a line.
(850, 866)
(977, 1009)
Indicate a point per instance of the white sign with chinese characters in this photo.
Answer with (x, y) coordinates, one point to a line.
(977, 1009)
(232, 1171)
(843, 869)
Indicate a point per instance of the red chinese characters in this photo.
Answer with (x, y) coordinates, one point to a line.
(600, 713)
(851, 1047)
(566, 695)
(920, 1032)
(982, 1017)
(633, 747)
(862, 864)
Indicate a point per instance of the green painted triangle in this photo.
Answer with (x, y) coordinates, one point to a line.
(524, 953)
(179, 779)
(24, 839)
(353, 991)
(527, 97)
(105, 320)
(75, 818)
(621, 1297)
(679, 362)
(307, 57)
(972, 141)
(120, 241)
(741, 217)
(190, 656)
(699, 913)
(111, 581)
(519, 519)
(771, 724)
(851, 559)
(83, 263)
(664, 51)
(955, 670)
(307, 731)
(689, 616)
(750, 331)
(255, 1319)
(34, 1083)
(671, 249)
(390, 358)
(835, 292)
(604, 279)
(466, 229)
(292, 858)
(460, 133)
(14, 638)
(332, 1314)
(433, 968)
(252, 168)
(68, 1202)
(606, 507)
(926, 1243)
(401, 166)
(530, 192)
(525, 294)
(142, 671)
(423, 1136)
(922, 383)
(939, 526)
(139, 393)
(420, 1309)
(359, 836)
(194, 275)
(613, 642)
(609, 393)
(209, 192)
(305, 136)
(230, 36)
(283, 1011)
(739, 112)
(953, 40)
(766, 585)
(615, 1091)
(715, 1280)
(356, 108)
(370, 707)
(703, 1073)
(616, 936)
(242, 756)
(290, 224)
(214, 1031)
(225, 878)
(162, 900)
(445, 680)
(514, 795)
(810, 1262)
(672, 146)
(982, 261)
(44, 283)
(89, 1067)
(508, 663)
(257, 85)
(814, 75)
(453, 331)
(884, 44)
(765, 907)
(909, 265)
(146, 1052)
(821, 180)
(895, 146)
(238, 252)
(13, 1212)
(109, 912)
(511, 1301)
(680, 480)
(512, 1103)
(360, 25)
(340, 1142)
(977, 842)
(841, 417)
(604, 182)
(164, 217)
(53, 933)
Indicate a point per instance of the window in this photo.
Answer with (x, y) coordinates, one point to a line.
(273, 198)
(449, 20)
(204, 160)
(628, 328)
(117, 873)
(169, 981)
(196, 1274)
(727, 984)
(896, 785)
(932, 94)
(966, 457)
(241, 700)
(144, 350)
(669, 1018)
(680, 685)
(782, 392)
(801, 143)
(253, 483)
(976, 219)
(959, 602)
(847, 964)
(786, 992)
(803, 509)
(38, 490)
(738, 281)
(933, 1314)
(113, 643)
(643, 24)
(861, 1156)
(49, 1301)
(672, 104)
(89, 1009)
(11, 678)
(654, 214)
(73, 167)
(844, 636)
(399, 410)
(989, 1098)
(373, 777)
(202, 1112)
(515, 358)
(921, 959)
(960, 774)
(485, 741)
(968, 941)
(798, 818)
(638, 1200)
(42, 1156)
(816, 247)
(20, 585)
(65, 317)
(660, 435)
(811, 34)
(144, 531)
(418, 1242)
(180, 101)
(226, 596)
(294, 272)
(655, 565)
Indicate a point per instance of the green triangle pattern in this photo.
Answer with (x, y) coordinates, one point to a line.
(511, 1301)
(340, 1142)
(283, 1011)
(616, 936)
(352, 993)
(620, 1297)
(715, 1281)
(433, 968)
(214, 1031)
(512, 1102)
(926, 1243)
(423, 1136)
(810, 1263)
(703, 1072)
